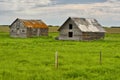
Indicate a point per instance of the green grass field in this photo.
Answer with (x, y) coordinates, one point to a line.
(33, 58)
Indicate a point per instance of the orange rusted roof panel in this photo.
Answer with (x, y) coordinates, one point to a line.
(34, 24)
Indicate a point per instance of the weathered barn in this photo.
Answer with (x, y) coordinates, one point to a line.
(28, 28)
(81, 29)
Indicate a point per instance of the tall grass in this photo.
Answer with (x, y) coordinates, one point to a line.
(33, 58)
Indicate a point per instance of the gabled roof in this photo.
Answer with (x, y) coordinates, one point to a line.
(86, 24)
(32, 23)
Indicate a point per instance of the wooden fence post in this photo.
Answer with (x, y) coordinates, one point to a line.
(56, 60)
(100, 57)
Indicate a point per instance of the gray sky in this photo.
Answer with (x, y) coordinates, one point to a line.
(55, 12)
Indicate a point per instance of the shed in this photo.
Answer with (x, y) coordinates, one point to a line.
(28, 28)
(81, 29)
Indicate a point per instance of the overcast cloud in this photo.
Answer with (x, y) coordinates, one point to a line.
(55, 12)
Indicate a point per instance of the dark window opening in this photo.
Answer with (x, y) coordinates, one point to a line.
(70, 34)
(34, 30)
(70, 26)
(17, 28)
(12, 30)
(23, 31)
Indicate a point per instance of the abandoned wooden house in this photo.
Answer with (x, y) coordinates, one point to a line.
(81, 29)
(28, 28)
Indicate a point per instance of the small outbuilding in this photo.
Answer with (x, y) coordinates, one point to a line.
(28, 28)
(81, 29)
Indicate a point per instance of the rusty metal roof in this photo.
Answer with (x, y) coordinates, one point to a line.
(34, 23)
(31, 23)
(87, 24)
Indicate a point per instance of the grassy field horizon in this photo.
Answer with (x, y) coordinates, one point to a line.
(5, 28)
(34, 58)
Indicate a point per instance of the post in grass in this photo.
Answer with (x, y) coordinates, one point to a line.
(56, 60)
(100, 57)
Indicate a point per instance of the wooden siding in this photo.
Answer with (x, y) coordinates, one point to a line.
(92, 35)
(36, 32)
(64, 32)
(17, 29)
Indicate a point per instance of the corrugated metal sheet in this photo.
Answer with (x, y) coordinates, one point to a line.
(34, 23)
(88, 25)
(83, 28)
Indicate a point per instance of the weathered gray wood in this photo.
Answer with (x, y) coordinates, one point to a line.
(18, 29)
(100, 57)
(56, 60)
(65, 30)
(78, 34)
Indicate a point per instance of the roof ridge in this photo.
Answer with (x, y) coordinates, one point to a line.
(80, 18)
(29, 19)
